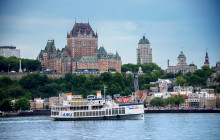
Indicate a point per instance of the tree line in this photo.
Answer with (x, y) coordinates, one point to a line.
(174, 101)
(12, 64)
(39, 85)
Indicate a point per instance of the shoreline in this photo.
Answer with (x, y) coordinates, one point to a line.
(48, 112)
(182, 111)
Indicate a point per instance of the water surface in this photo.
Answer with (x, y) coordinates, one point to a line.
(159, 126)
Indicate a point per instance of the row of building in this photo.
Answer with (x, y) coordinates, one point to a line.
(204, 99)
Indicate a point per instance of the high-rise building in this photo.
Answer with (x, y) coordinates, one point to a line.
(206, 63)
(144, 52)
(8, 51)
(181, 65)
(81, 53)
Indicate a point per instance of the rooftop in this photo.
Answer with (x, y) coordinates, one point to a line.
(144, 41)
(7, 47)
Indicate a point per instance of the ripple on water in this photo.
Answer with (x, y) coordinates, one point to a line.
(154, 126)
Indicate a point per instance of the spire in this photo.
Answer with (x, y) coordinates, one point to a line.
(206, 63)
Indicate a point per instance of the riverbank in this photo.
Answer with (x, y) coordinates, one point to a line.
(182, 111)
(48, 112)
(27, 113)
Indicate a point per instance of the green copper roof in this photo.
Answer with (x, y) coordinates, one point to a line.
(144, 41)
(181, 54)
(50, 44)
(89, 59)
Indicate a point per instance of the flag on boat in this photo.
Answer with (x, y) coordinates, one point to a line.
(98, 91)
(99, 94)
(69, 94)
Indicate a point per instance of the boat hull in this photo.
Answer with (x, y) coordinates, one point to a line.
(115, 117)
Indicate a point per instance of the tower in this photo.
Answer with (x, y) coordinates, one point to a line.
(144, 52)
(206, 63)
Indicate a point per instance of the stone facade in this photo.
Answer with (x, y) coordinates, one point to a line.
(8, 51)
(144, 52)
(181, 65)
(81, 52)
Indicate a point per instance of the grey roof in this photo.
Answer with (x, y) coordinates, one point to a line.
(82, 28)
(144, 41)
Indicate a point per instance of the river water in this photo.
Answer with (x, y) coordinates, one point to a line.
(159, 126)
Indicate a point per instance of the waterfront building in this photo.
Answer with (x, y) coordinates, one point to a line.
(8, 51)
(207, 100)
(37, 104)
(80, 54)
(206, 63)
(193, 99)
(181, 65)
(144, 52)
(185, 105)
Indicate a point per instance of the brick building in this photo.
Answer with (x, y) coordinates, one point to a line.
(81, 53)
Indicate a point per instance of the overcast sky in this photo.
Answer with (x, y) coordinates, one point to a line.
(168, 24)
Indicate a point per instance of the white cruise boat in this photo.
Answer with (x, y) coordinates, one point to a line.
(96, 109)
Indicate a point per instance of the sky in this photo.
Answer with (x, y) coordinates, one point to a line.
(171, 26)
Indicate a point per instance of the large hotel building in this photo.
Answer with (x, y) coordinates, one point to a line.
(81, 53)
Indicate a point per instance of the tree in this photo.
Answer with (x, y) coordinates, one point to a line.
(5, 81)
(157, 101)
(33, 80)
(6, 105)
(178, 99)
(180, 80)
(22, 104)
(147, 86)
(127, 91)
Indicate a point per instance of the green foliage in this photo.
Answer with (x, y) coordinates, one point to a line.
(5, 81)
(33, 80)
(176, 100)
(28, 64)
(157, 101)
(6, 105)
(22, 104)
(180, 80)
(149, 67)
(146, 86)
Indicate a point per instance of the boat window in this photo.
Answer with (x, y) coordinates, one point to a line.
(80, 114)
(84, 113)
(77, 114)
(123, 110)
(74, 114)
(110, 112)
(100, 113)
(96, 114)
(106, 112)
(120, 110)
(103, 113)
(87, 113)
